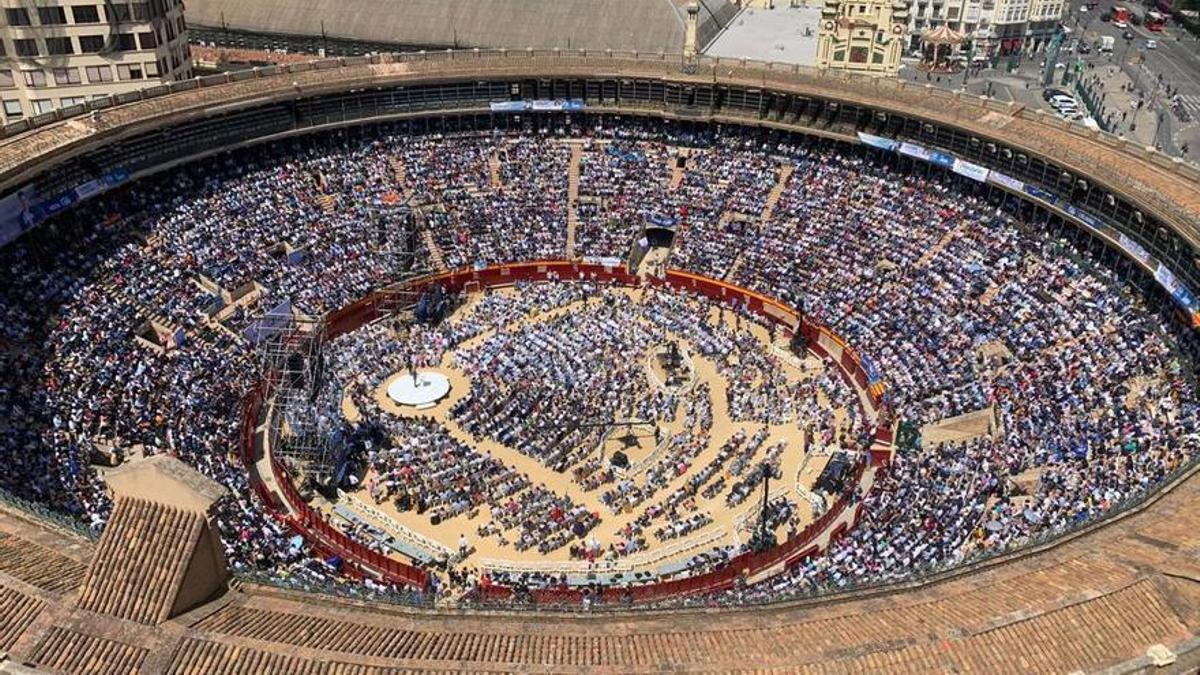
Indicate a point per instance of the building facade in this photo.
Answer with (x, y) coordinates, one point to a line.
(59, 53)
(865, 35)
(992, 27)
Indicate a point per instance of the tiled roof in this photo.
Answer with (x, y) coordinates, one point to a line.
(951, 634)
(201, 657)
(39, 566)
(1089, 603)
(68, 651)
(17, 612)
(141, 561)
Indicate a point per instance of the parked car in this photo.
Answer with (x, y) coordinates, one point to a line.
(1121, 24)
(1051, 94)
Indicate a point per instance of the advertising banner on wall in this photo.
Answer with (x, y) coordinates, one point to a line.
(1088, 219)
(914, 150)
(604, 261)
(941, 159)
(18, 213)
(557, 104)
(537, 105)
(1005, 180)
(877, 141)
(972, 171)
(23, 209)
(509, 106)
(1133, 248)
(1041, 194)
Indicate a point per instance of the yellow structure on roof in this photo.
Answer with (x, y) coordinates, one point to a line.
(865, 35)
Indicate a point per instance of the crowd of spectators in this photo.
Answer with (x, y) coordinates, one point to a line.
(959, 299)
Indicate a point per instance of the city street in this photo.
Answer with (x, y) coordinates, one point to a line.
(1118, 80)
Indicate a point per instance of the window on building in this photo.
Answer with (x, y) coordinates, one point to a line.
(3, 50)
(6, 79)
(85, 14)
(147, 41)
(64, 76)
(52, 16)
(42, 105)
(126, 42)
(99, 74)
(141, 11)
(68, 101)
(151, 69)
(117, 12)
(26, 47)
(16, 16)
(129, 71)
(59, 45)
(34, 78)
(13, 109)
(91, 44)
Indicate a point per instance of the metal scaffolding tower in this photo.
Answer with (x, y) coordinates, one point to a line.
(290, 351)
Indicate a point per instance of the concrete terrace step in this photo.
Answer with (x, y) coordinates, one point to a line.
(785, 174)
(494, 171)
(573, 197)
(435, 252)
(937, 248)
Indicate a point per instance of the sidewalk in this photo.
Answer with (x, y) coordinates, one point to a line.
(1118, 98)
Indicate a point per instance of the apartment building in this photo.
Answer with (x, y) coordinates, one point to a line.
(59, 53)
(995, 27)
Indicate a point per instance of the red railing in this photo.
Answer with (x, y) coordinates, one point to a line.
(358, 560)
(313, 526)
(361, 561)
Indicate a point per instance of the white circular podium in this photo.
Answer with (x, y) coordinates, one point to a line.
(429, 388)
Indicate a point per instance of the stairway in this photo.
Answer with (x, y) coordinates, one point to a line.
(937, 248)
(990, 294)
(785, 173)
(400, 174)
(737, 264)
(573, 198)
(494, 170)
(435, 253)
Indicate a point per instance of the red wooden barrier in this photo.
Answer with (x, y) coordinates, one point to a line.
(360, 560)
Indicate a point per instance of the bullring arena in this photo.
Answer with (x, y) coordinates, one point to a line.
(560, 362)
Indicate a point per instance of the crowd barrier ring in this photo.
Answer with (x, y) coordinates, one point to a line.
(361, 562)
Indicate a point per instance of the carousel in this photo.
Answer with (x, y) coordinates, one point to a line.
(940, 50)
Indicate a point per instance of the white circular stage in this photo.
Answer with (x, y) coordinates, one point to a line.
(429, 388)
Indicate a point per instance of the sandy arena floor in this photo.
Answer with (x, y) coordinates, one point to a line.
(799, 470)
